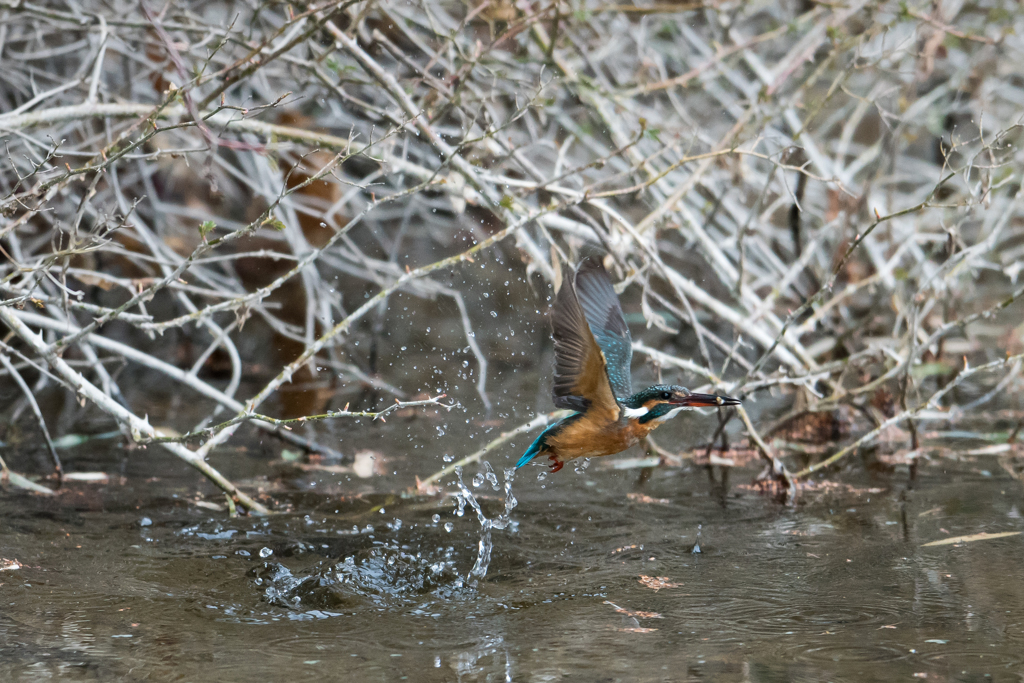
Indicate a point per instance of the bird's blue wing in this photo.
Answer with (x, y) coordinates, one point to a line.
(601, 308)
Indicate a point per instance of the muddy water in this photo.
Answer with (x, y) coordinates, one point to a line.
(592, 579)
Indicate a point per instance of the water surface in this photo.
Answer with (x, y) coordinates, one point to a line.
(594, 579)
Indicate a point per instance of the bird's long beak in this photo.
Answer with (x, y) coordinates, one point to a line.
(705, 401)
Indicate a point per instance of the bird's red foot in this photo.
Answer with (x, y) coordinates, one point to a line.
(556, 464)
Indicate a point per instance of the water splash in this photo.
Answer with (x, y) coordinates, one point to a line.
(464, 496)
(491, 477)
(474, 663)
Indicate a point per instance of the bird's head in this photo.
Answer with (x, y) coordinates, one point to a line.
(663, 401)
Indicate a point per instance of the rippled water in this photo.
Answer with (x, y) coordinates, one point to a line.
(584, 582)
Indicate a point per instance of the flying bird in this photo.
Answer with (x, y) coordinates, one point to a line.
(593, 350)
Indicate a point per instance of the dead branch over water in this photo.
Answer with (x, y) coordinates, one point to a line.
(818, 203)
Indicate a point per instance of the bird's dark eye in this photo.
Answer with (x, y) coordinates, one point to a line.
(665, 395)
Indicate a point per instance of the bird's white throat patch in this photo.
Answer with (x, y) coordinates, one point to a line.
(641, 411)
(634, 412)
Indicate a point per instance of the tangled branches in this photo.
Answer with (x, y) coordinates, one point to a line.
(819, 202)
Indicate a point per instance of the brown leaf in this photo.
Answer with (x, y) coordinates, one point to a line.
(643, 498)
(624, 548)
(427, 489)
(656, 583)
(636, 614)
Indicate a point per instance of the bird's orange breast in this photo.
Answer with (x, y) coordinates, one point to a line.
(590, 437)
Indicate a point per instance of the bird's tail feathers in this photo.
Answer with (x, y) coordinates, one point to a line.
(536, 447)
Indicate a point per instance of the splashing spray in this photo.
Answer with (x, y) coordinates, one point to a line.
(464, 496)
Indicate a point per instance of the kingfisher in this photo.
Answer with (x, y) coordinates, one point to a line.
(593, 351)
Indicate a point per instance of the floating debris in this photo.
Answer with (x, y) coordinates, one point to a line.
(87, 477)
(983, 536)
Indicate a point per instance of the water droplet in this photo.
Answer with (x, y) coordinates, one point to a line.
(447, 458)
(435, 519)
(266, 552)
(494, 314)
(478, 480)
(448, 526)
